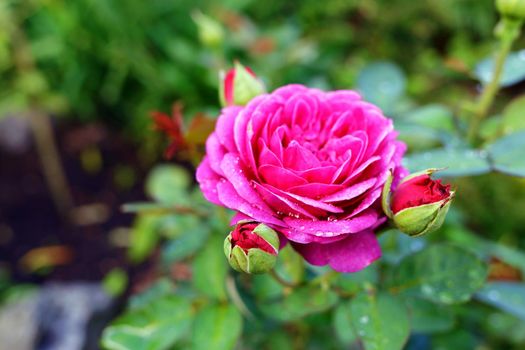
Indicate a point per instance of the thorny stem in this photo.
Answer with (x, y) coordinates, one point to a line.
(508, 32)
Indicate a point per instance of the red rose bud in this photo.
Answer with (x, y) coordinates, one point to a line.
(419, 204)
(238, 86)
(252, 247)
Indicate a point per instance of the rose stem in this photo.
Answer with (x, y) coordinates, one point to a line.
(508, 33)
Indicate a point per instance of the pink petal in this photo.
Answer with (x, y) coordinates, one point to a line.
(224, 127)
(236, 175)
(352, 254)
(351, 192)
(325, 228)
(208, 180)
(301, 108)
(280, 177)
(299, 158)
(239, 217)
(314, 190)
(321, 174)
(215, 152)
(281, 204)
(309, 201)
(229, 197)
(266, 156)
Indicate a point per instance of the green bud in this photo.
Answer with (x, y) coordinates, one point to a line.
(511, 8)
(210, 31)
(252, 248)
(238, 86)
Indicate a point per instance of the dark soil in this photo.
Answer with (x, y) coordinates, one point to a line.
(29, 219)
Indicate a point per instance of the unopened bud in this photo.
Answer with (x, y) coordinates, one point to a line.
(419, 204)
(239, 85)
(252, 247)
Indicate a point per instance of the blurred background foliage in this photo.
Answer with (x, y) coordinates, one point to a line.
(111, 62)
(97, 59)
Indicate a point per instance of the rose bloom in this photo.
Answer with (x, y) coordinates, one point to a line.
(311, 165)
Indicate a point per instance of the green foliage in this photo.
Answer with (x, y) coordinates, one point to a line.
(116, 61)
(507, 154)
(441, 273)
(155, 326)
(210, 268)
(508, 296)
(216, 327)
(300, 303)
(382, 83)
(115, 282)
(455, 162)
(380, 321)
(513, 72)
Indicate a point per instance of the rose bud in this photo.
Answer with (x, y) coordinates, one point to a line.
(210, 31)
(238, 86)
(511, 8)
(419, 204)
(252, 247)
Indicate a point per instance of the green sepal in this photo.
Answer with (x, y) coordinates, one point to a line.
(423, 219)
(269, 235)
(386, 194)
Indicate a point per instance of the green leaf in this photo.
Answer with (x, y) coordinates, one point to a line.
(168, 184)
(290, 265)
(507, 296)
(266, 287)
(396, 245)
(354, 282)
(115, 282)
(427, 317)
(506, 154)
(457, 162)
(188, 244)
(278, 340)
(382, 83)
(441, 273)
(216, 327)
(157, 326)
(144, 237)
(486, 248)
(418, 137)
(210, 269)
(513, 118)
(160, 289)
(433, 116)
(300, 302)
(513, 69)
(342, 324)
(380, 320)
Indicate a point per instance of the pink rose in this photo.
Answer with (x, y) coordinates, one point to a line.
(311, 165)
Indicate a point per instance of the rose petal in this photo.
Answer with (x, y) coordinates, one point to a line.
(352, 254)
(325, 228)
(351, 192)
(215, 152)
(236, 175)
(224, 127)
(280, 177)
(229, 197)
(208, 180)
